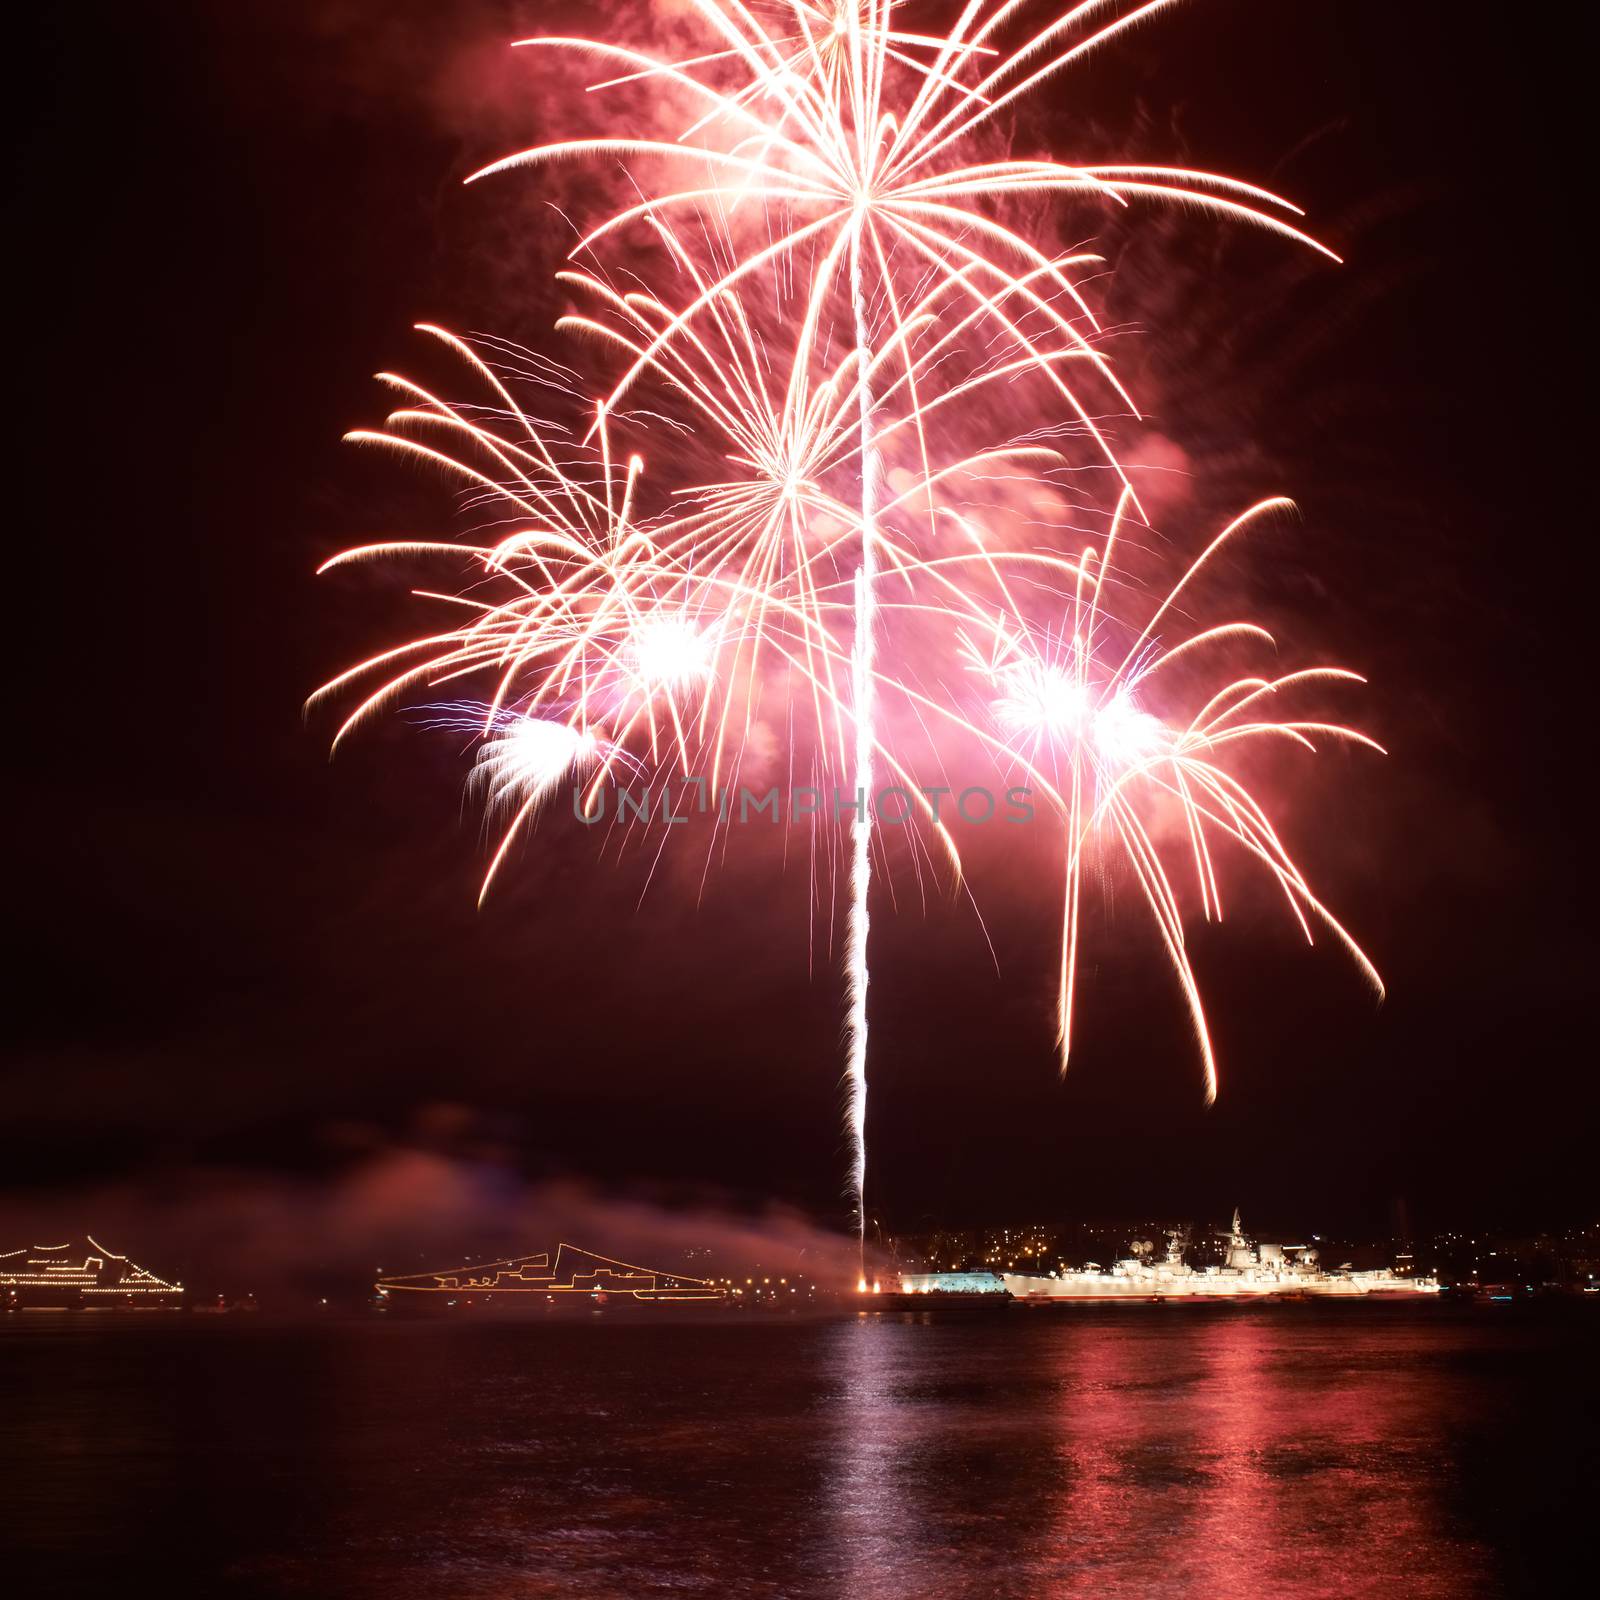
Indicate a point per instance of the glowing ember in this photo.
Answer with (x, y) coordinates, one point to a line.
(670, 652)
(524, 762)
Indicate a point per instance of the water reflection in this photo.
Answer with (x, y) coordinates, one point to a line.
(866, 1505)
(1213, 1451)
(1207, 1451)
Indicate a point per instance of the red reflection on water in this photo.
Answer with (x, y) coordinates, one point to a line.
(1246, 1459)
(1207, 1451)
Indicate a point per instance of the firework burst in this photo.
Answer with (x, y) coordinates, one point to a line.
(1068, 696)
(852, 141)
(822, 277)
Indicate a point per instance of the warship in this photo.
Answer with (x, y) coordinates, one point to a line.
(1247, 1271)
(576, 1275)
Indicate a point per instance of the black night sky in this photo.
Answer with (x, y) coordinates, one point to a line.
(237, 956)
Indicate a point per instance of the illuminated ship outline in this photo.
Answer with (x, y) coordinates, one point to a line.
(534, 1274)
(49, 1270)
(1248, 1271)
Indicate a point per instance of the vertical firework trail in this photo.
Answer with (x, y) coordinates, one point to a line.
(859, 970)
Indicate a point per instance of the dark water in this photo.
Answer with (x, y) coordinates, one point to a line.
(1289, 1451)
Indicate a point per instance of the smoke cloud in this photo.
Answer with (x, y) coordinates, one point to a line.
(436, 1199)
